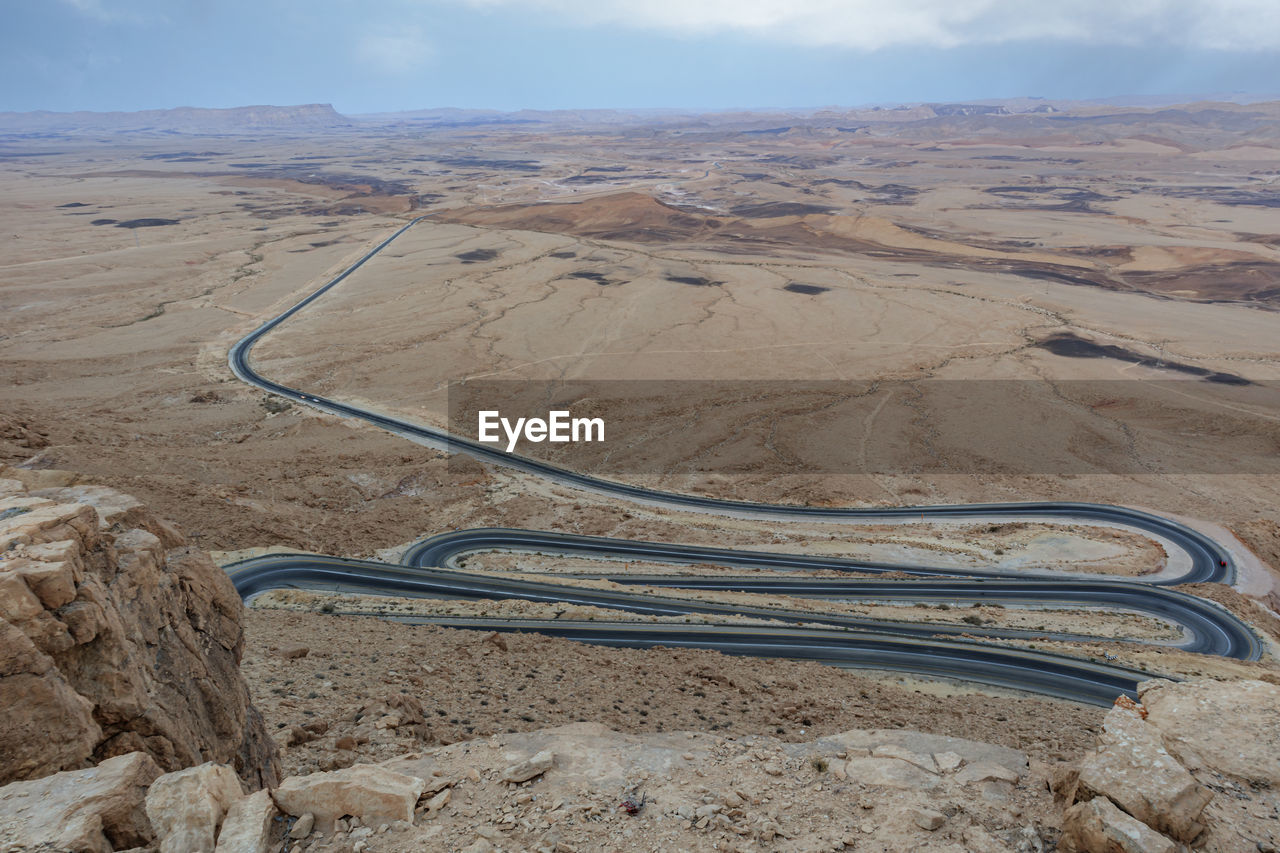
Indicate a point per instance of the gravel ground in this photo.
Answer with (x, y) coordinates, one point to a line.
(450, 685)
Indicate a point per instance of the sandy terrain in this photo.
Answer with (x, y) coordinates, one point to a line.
(1123, 272)
(132, 385)
(1005, 546)
(1059, 620)
(466, 686)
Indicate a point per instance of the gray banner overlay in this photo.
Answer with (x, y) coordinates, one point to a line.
(887, 427)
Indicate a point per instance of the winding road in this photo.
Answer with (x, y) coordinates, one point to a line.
(929, 649)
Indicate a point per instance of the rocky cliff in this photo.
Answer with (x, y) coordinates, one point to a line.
(1195, 763)
(115, 637)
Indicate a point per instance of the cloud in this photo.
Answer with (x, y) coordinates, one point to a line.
(872, 24)
(90, 8)
(394, 53)
(107, 12)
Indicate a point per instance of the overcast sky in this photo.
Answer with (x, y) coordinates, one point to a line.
(381, 55)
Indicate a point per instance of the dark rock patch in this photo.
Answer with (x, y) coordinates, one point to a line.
(694, 280)
(184, 156)
(599, 278)
(1068, 345)
(146, 223)
(103, 222)
(482, 163)
(771, 209)
(477, 255)
(809, 289)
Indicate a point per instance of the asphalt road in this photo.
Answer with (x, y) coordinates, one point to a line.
(848, 642)
(1208, 628)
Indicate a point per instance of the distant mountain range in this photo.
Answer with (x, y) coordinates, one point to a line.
(193, 120)
(1010, 115)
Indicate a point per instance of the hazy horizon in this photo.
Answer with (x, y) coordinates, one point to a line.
(126, 55)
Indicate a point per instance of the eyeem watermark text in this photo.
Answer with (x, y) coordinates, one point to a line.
(558, 427)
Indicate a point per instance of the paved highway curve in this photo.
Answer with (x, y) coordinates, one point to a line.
(883, 645)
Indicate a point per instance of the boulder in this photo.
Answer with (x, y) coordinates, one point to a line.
(94, 810)
(1195, 718)
(187, 807)
(47, 724)
(890, 773)
(112, 641)
(248, 825)
(115, 509)
(924, 744)
(371, 793)
(302, 826)
(924, 761)
(527, 769)
(983, 771)
(927, 819)
(1097, 826)
(1132, 768)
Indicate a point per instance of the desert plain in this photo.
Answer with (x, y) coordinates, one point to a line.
(780, 307)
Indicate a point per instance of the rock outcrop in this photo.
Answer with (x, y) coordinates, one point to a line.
(1098, 826)
(1196, 763)
(98, 809)
(115, 638)
(187, 808)
(1232, 727)
(1132, 768)
(367, 791)
(247, 828)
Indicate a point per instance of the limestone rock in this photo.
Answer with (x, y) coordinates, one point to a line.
(439, 801)
(927, 819)
(115, 510)
(1097, 826)
(113, 642)
(366, 791)
(922, 743)
(247, 828)
(302, 826)
(1132, 768)
(47, 724)
(984, 772)
(924, 762)
(1193, 718)
(978, 838)
(97, 809)
(187, 807)
(890, 773)
(527, 769)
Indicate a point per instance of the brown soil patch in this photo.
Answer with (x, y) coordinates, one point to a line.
(1196, 274)
(469, 687)
(627, 216)
(1241, 605)
(1262, 535)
